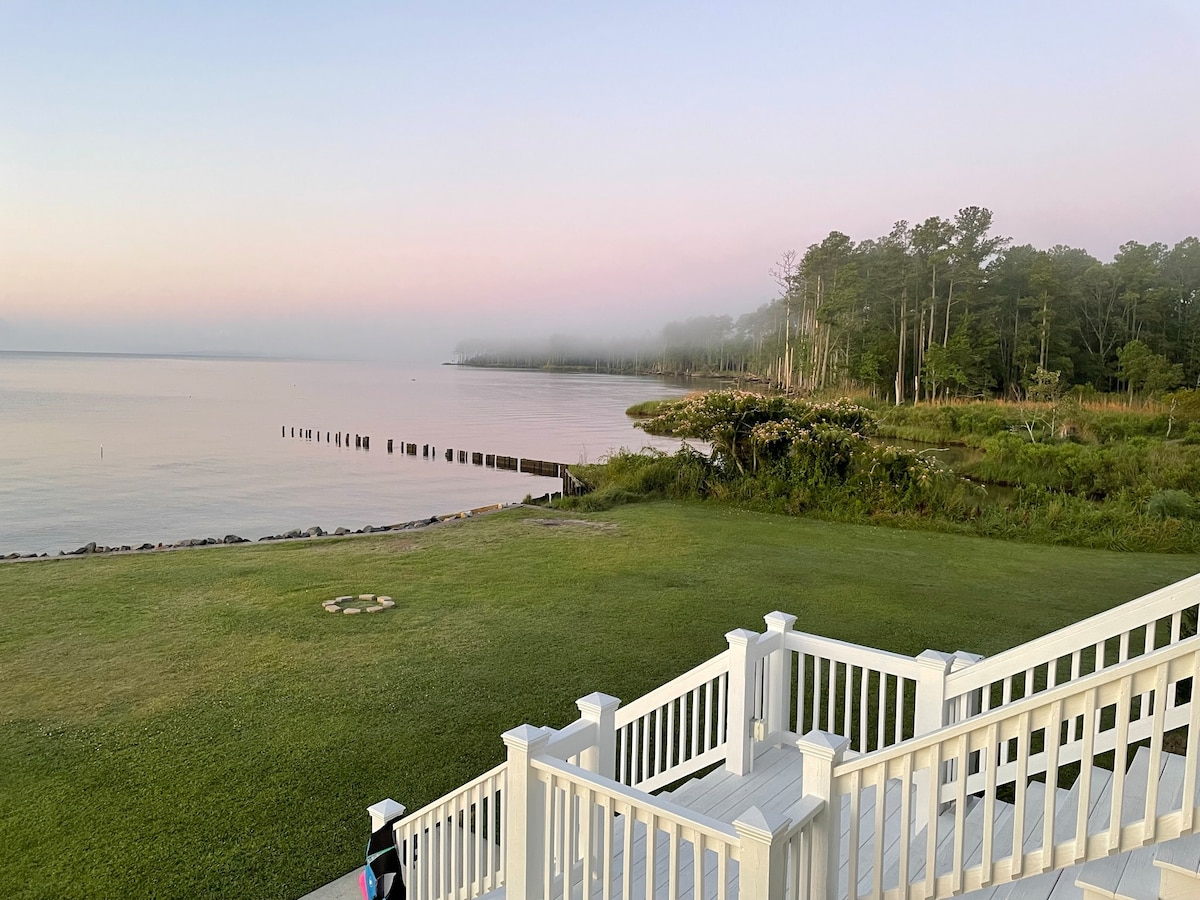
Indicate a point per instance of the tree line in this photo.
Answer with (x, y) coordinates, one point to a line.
(941, 309)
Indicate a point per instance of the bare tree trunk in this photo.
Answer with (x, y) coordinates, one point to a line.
(900, 354)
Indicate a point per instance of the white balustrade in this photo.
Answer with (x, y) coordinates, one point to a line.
(454, 848)
(1004, 750)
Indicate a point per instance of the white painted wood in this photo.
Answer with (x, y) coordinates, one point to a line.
(821, 754)
(742, 664)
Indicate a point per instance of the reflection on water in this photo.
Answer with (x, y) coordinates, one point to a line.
(124, 450)
(957, 458)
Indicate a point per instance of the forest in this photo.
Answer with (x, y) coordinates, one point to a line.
(943, 309)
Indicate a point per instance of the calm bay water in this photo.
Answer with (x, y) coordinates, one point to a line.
(123, 450)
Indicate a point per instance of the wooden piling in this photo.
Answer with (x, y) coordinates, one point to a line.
(389, 445)
(477, 459)
(293, 432)
(449, 456)
(490, 460)
(366, 442)
(462, 456)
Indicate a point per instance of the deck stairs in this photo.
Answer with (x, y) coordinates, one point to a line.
(795, 767)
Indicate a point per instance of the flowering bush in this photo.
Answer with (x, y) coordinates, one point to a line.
(748, 429)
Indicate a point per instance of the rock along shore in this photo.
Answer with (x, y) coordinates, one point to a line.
(296, 534)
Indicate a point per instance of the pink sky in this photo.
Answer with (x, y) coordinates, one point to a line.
(389, 176)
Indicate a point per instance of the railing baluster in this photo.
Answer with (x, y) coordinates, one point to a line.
(801, 698)
(880, 845)
(695, 696)
(1021, 783)
(1120, 762)
(960, 812)
(1050, 747)
(651, 855)
(901, 699)
(831, 696)
(672, 739)
(1192, 754)
(848, 700)
(935, 790)
(864, 676)
(587, 816)
(722, 709)
(1087, 763)
(989, 759)
(1159, 702)
(852, 846)
(906, 792)
(881, 733)
(627, 855)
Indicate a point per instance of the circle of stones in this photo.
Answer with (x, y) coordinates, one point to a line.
(343, 604)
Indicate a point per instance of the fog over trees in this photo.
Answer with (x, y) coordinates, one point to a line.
(941, 309)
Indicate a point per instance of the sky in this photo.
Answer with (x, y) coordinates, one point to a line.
(384, 179)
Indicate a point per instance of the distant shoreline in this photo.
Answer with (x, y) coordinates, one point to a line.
(227, 356)
(92, 549)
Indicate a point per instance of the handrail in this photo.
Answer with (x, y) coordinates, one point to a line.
(1106, 712)
(1017, 708)
(862, 693)
(653, 803)
(581, 819)
(664, 693)
(675, 730)
(1069, 646)
(454, 847)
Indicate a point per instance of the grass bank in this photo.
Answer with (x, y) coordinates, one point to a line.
(196, 722)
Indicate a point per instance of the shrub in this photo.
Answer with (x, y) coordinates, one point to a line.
(1171, 503)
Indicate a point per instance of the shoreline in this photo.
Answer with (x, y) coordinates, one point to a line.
(92, 549)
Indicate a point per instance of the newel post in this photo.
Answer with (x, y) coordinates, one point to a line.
(779, 674)
(739, 753)
(384, 813)
(525, 815)
(968, 704)
(601, 709)
(762, 873)
(823, 752)
(930, 715)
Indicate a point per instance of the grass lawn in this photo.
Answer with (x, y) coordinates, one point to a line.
(193, 724)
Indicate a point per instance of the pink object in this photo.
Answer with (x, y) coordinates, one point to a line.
(362, 883)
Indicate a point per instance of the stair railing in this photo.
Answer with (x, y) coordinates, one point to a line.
(1110, 638)
(1092, 722)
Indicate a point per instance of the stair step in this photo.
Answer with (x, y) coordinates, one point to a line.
(1131, 875)
(1178, 865)
(1182, 854)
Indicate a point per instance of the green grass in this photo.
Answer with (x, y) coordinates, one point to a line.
(194, 725)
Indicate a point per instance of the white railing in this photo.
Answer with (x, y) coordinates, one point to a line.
(675, 730)
(1110, 638)
(866, 695)
(603, 839)
(1080, 725)
(454, 848)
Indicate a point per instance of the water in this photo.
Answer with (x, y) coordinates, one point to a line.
(125, 450)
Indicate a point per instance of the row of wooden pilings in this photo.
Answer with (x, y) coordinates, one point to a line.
(572, 486)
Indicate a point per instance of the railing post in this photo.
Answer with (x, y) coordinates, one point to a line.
(930, 703)
(601, 709)
(968, 705)
(929, 715)
(739, 757)
(779, 675)
(762, 872)
(823, 752)
(384, 813)
(525, 814)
